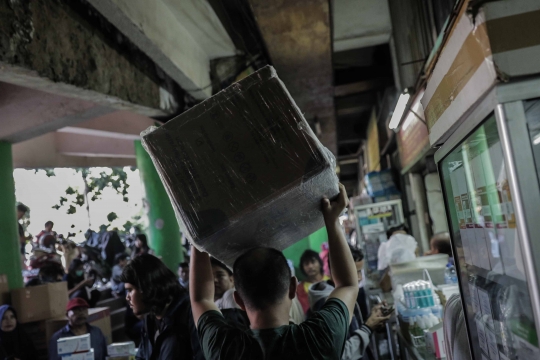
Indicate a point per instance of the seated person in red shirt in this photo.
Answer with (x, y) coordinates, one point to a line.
(265, 289)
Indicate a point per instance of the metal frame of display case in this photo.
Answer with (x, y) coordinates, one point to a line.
(506, 102)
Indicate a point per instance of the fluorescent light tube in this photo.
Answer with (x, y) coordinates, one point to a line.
(399, 110)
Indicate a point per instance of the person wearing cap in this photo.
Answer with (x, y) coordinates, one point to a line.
(77, 314)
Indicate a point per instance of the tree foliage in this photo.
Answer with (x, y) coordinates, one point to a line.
(94, 186)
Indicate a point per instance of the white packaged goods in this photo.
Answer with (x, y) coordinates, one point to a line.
(244, 169)
(74, 344)
(125, 348)
(80, 356)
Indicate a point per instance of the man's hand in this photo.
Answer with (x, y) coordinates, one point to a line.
(332, 209)
(376, 320)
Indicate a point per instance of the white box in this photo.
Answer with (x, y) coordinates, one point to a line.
(435, 341)
(125, 348)
(80, 356)
(74, 344)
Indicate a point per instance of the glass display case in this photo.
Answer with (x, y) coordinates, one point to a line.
(489, 171)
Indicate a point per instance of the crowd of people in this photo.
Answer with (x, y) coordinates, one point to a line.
(255, 310)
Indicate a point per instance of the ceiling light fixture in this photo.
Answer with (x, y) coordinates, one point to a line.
(399, 110)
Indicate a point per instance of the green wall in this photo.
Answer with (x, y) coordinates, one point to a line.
(313, 242)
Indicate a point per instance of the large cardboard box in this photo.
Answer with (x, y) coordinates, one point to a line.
(244, 169)
(98, 317)
(499, 42)
(41, 302)
(4, 290)
(74, 344)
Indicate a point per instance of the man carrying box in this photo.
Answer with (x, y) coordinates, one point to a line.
(77, 314)
(265, 289)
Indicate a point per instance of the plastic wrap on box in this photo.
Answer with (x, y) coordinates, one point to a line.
(244, 169)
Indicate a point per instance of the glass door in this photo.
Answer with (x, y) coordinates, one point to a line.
(487, 252)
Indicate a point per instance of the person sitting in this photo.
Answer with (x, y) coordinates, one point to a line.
(400, 247)
(440, 244)
(121, 260)
(41, 237)
(183, 274)
(78, 285)
(14, 342)
(77, 314)
(49, 273)
(141, 246)
(153, 292)
(265, 289)
(311, 266)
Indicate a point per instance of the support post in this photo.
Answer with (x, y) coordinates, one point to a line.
(163, 231)
(10, 256)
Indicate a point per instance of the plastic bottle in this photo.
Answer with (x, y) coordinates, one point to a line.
(429, 293)
(450, 275)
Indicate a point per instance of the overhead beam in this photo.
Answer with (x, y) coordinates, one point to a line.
(180, 36)
(362, 86)
(297, 35)
(353, 110)
(41, 152)
(47, 45)
(94, 146)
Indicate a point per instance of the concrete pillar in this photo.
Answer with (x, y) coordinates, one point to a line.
(10, 256)
(163, 231)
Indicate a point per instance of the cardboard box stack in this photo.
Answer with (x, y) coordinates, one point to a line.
(41, 302)
(76, 348)
(244, 169)
(122, 351)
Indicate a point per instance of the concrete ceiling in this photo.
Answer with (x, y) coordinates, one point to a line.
(297, 35)
(360, 23)
(179, 36)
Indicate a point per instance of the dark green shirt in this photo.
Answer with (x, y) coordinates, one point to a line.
(321, 337)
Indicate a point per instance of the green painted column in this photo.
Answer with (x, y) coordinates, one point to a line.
(10, 256)
(163, 231)
(313, 242)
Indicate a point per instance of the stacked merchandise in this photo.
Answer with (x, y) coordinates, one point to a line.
(381, 187)
(420, 315)
(122, 351)
(75, 348)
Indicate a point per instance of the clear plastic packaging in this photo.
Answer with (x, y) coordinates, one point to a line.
(244, 169)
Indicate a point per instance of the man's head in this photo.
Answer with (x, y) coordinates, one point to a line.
(49, 226)
(358, 257)
(183, 271)
(121, 259)
(263, 280)
(150, 285)
(223, 278)
(440, 244)
(21, 211)
(311, 264)
(77, 312)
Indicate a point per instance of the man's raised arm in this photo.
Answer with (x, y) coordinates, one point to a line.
(344, 271)
(201, 284)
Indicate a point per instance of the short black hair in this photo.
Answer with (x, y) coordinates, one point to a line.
(357, 254)
(143, 239)
(22, 208)
(49, 223)
(183, 264)
(120, 257)
(262, 277)
(75, 263)
(441, 242)
(156, 281)
(307, 256)
(216, 262)
(393, 229)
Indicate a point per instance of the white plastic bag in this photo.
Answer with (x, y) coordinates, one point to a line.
(398, 249)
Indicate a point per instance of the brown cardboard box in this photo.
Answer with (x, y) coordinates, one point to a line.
(98, 317)
(244, 169)
(41, 302)
(479, 52)
(4, 290)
